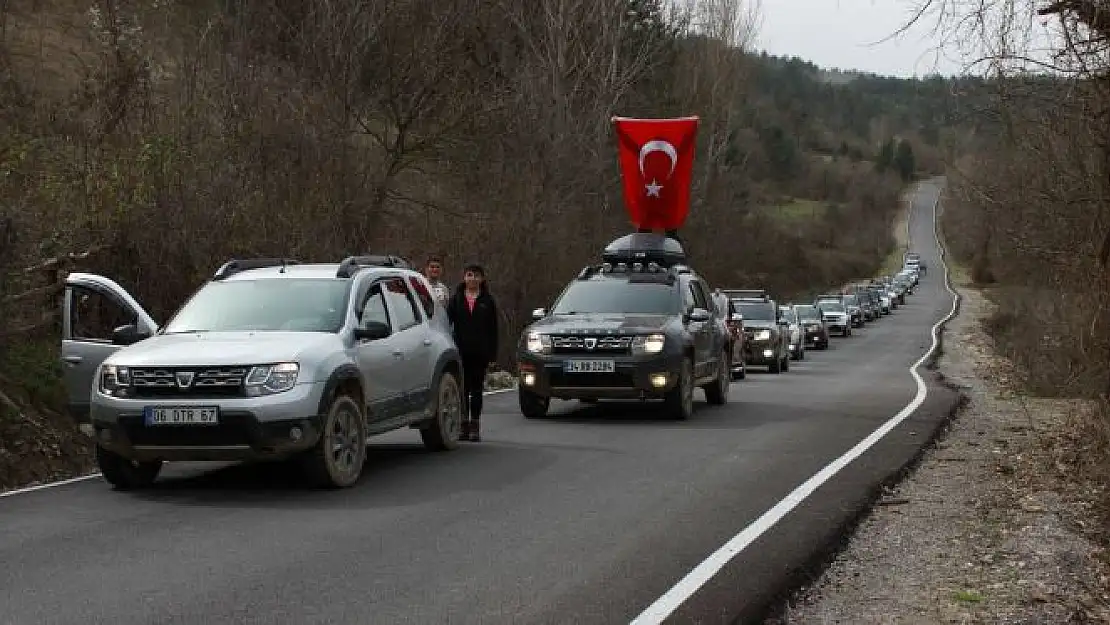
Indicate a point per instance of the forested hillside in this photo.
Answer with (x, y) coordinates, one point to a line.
(174, 135)
(1031, 212)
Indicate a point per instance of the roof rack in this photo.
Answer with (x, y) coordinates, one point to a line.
(645, 248)
(235, 265)
(352, 264)
(746, 294)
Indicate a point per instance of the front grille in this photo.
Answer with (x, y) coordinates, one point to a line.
(162, 382)
(230, 431)
(575, 344)
(561, 379)
(831, 319)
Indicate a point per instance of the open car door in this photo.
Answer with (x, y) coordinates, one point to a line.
(98, 318)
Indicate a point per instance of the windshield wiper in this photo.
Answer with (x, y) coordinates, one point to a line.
(186, 332)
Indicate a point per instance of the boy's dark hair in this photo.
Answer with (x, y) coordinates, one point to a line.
(476, 268)
(433, 258)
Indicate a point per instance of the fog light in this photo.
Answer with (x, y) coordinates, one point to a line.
(529, 379)
(659, 380)
(295, 434)
(767, 353)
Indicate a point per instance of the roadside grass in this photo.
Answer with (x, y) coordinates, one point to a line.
(893, 262)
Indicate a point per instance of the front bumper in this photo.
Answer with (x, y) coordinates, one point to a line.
(816, 337)
(634, 377)
(254, 428)
(760, 353)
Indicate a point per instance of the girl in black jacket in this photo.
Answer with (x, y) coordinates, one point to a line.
(473, 315)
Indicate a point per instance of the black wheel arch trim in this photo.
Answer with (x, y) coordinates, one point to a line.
(344, 373)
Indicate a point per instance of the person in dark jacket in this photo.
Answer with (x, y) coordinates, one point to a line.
(473, 314)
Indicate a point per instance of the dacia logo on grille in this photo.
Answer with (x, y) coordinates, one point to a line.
(591, 343)
(184, 379)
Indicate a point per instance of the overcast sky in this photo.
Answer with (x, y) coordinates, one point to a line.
(838, 33)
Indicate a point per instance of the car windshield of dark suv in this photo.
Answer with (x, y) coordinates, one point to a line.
(806, 313)
(614, 296)
(755, 311)
(276, 305)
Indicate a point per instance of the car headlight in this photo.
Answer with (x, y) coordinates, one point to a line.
(270, 379)
(649, 344)
(762, 335)
(537, 343)
(114, 379)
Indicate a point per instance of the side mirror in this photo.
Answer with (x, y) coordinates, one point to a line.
(128, 335)
(698, 315)
(372, 331)
(783, 322)
(739, 318)
(538, 313)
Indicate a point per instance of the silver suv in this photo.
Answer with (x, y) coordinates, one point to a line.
(270, 359)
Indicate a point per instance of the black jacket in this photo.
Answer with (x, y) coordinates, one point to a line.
(475, 332)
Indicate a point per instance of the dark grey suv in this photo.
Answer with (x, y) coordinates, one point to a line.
(640, 325)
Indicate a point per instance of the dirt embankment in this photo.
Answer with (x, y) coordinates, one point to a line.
(997, 525)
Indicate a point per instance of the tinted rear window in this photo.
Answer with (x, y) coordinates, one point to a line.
(755, 311)
(807, 312)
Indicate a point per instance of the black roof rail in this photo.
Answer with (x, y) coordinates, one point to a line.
(352, 264)
(746, 294)
(235, 265)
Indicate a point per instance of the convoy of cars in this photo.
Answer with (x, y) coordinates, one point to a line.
(275, 359)
(593, 342)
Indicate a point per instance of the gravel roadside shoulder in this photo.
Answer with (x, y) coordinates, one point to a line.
(994, 526)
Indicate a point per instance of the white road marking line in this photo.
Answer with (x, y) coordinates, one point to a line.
(83, 478)
(666, 605)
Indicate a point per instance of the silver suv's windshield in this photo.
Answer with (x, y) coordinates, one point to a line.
(277, 304)
(614, 296)
(830, 306)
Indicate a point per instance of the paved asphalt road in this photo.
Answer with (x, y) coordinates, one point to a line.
(585, 517)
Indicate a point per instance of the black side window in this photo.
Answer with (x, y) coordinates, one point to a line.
(689, 300)
(698, 295)
(701, 293)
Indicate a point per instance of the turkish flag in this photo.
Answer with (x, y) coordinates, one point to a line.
(657, 163)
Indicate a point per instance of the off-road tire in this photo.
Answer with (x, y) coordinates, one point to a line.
(125, 474)
(532, 406)
(743, 372)
(716, 392)
(679, 401)
(344, 424)
(443, 432)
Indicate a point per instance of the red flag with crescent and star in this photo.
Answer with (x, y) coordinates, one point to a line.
(657, 164)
